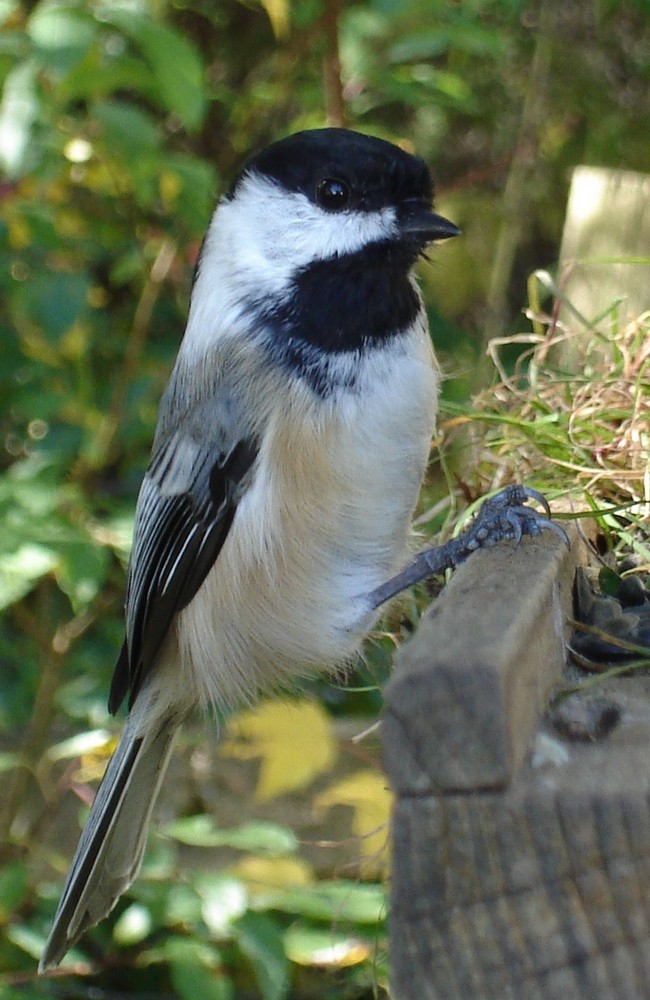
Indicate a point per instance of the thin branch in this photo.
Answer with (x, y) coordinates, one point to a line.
(522, 167)
(51, 651)
(114, 416)
(332, 84)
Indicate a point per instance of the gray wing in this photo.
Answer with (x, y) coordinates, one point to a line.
(186, 505)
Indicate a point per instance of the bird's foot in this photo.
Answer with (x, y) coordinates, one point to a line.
(503, 517)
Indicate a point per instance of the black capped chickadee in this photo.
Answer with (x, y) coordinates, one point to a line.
(291, 444)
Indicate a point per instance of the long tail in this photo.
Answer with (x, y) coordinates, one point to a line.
(110, 850)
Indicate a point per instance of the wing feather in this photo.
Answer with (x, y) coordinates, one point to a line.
(186, 505)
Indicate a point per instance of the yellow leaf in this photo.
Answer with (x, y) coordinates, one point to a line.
(18, 233)
(74, 343)
(278, 14)
(367, 793)
(97, 297)
(262, 874)
(71, 225)
(95, 761)
(324, 948)
(293, 739)
(171, 186)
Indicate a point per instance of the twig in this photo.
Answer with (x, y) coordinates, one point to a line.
(51, 650)
(109, 427)
(515, 218)
(332, 85)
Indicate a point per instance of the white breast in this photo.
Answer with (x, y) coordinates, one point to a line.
(325, 521)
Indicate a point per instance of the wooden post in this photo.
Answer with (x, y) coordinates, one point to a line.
(520, 858)
(605, 253)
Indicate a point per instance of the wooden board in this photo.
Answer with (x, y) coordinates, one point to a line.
(605, 253)
(534, 883)
(467, 692)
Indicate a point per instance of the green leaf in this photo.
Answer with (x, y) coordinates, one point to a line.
(196, 193)
(61, 34)
(182, 905)
(224, 899)
(357, 902)
(477, 41)
(82, 572)
(7, 7)
(56, 301)
(257, 837)
(27, 939)
(13, 888)
(59, 26)
(10, 760)
(95, 77)
(261, 941)
(20, 571)
(127, 130)
(9, 993)
(189, 966)
(175, 63)
(19, 110)
(194, 982)
(609, 581)
(127, 267)
(32, 485)
(133, 925)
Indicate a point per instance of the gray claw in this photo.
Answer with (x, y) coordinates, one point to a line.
(532, 494)
(557, 528)
(506, 516)
(513, 519)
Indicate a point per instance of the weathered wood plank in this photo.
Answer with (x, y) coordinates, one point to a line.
(467, 692)
(607, 222)
(535, 888)
(541, 890)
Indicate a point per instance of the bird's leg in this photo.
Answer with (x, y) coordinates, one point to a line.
(502, 517)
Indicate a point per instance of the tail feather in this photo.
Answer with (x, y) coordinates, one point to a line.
(110, 850)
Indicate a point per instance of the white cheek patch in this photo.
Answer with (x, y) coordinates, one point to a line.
(286, 229)
(256, 243)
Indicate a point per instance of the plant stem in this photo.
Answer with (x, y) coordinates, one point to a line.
(523, 165)
(99, 453)
(332, 85)
(52, 647)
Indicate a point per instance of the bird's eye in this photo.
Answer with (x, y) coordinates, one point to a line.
(332, 194)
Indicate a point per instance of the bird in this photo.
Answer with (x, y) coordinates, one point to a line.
(273, 521)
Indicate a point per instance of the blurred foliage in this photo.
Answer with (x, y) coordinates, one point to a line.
(120, 122)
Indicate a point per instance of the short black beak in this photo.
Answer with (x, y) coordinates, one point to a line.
(416, 220)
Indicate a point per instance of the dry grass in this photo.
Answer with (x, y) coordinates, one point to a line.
(571, 417)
